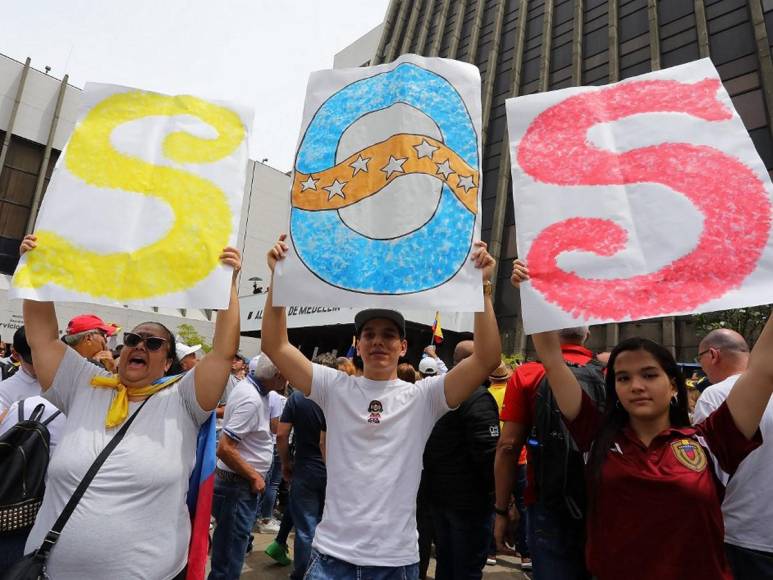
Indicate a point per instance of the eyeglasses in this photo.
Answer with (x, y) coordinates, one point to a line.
(700, 354)
(152, 343)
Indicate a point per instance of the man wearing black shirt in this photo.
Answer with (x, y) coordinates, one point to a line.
(306, 472)
(459, 479)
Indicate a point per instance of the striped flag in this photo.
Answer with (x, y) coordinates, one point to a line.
(200, 490)
(437, 331)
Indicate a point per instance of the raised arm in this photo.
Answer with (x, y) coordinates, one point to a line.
(42, 331)
(750, 395)
(566, 389)
(295, 367)
(469, 374)
(211, 373)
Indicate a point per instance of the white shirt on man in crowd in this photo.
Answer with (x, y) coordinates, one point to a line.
(747, 512)
(246, 421)
(17, 387)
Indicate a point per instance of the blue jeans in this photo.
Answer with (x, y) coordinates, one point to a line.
(462, 541)
(273, 479)
(234, 507)
(521, 542)
(557, 545)
(324, 567)
(749, 564)
(307, 499)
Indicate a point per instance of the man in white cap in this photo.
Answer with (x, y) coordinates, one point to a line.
(187, 355)
(428, 367)
(377, 426)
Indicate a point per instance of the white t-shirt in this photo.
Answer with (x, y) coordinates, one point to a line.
(55, 427)
(376, 433)
(747, 509)
(246, 421)
(276, 404)
(18, 387)
(132, 522)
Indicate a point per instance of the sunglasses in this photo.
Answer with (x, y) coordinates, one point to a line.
(152, 343)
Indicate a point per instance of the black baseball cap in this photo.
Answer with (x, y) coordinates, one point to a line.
(372, 313)
(20, 345)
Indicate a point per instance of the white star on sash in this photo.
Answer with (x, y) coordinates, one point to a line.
(444, 169)
(394, 166)
(425, 149)
(361, 164)
(335, 188)
(466, 183)
(310, 183)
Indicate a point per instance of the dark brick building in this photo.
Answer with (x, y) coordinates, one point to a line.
(528, 46)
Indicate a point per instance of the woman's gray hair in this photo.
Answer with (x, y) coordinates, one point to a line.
(262, 368)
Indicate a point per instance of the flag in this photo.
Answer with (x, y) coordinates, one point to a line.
(437, 332)
(200, 490)
(352, 350)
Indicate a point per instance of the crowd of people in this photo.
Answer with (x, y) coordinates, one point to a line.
(583, 465)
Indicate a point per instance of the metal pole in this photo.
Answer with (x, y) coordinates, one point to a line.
(46, 156)
(702, 28)
(12, 120)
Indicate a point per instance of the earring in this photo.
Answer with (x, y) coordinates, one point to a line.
(617, 404)
(674, 401)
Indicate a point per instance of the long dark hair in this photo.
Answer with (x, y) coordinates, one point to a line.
(616, 417)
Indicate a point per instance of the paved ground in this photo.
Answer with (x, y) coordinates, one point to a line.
(260, 567)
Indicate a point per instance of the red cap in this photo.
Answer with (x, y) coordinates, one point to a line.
(86, 322)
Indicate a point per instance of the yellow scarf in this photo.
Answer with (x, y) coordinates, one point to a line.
(119, 407)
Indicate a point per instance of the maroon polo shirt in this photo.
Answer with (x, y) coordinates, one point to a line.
(520, 400)
(658, 513)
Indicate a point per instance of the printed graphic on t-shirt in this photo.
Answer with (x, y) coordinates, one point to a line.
(689, 454)
(375, 409)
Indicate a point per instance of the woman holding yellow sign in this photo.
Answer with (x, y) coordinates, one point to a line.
(132, 518)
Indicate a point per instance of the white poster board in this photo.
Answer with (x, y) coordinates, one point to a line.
(385, 190)
(143, 199)
(639, 199)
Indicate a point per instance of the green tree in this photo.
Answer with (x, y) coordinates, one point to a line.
(748, 322)
(187, 334)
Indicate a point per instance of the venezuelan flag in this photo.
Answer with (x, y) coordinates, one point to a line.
(200, 490)
(437, 331)
(352, 349)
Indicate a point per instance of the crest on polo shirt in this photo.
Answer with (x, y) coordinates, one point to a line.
(690, 454)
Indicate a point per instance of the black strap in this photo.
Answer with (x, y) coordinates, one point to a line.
(21, 410)
(51, 418)
(53, 535)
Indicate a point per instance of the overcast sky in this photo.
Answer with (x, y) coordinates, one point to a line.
(256, 52)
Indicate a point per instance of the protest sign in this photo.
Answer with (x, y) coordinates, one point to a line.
(639, 199)
(385, 188)
(143, 199)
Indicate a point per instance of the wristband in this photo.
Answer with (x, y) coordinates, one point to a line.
(488, 288)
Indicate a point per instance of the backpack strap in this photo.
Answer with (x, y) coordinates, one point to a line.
(52, 536)
(21, 410)
(37, 413)
(52, 417)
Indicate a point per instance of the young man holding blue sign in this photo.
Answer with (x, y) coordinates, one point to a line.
(377, 429)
